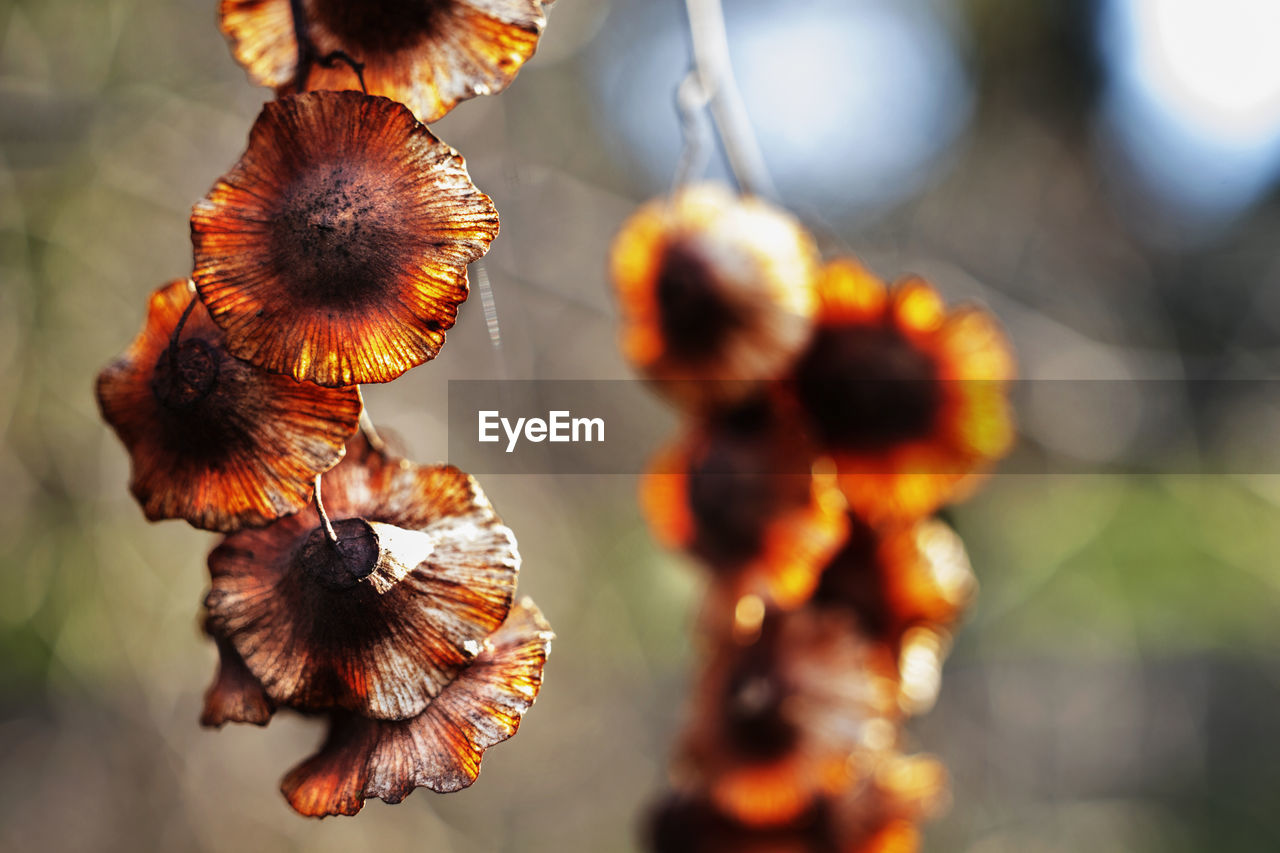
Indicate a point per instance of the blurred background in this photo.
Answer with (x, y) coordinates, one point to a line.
(1102, 175)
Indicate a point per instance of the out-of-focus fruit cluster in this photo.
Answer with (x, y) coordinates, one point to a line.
(829, 415)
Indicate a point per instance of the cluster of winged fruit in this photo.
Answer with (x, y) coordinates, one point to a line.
(828, 416)
(351, 582)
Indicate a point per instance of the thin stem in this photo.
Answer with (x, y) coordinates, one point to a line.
(715, 75)
(370, 432)
(175, 335)
(302, 37)
(342, 56)
(329, 532)
(691, 106)
(490, 306)
(307, 52)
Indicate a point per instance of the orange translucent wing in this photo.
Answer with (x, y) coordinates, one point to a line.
(850, 293)
(261, 35)
(928, 577)
(899, 836)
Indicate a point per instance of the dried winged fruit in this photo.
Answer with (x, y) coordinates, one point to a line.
(381, 621)
(442, 747)
(213, 439)
(910, 400)
(738, 494)
(716, 293)
(336, 250)
(804, 712)
(428, 54)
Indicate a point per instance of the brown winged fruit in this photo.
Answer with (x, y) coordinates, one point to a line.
(213, 439)
(908, 398)
(737, 493)
(805, 711)
(428, 54)
(336, 250)
(380, 621)
(716, 293)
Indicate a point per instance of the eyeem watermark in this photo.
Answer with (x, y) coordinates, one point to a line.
(559, 426)
(1068, 427)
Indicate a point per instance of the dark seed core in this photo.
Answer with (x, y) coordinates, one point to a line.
(695, 317)
(854, 581)
(367, 27)
(343, 564)
(738, 482)
(687, 825)
(867, 389)
(335, 238)
(680, 825)
(754, 720)
(731, 499)
(183, 378)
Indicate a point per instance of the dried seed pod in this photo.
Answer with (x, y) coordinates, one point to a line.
(738, 494)
(442, 747)
(910, 400)
(716, 293)
(213, 439)
(428, 54)
(336, 250)
(800, 714)
(381, 620)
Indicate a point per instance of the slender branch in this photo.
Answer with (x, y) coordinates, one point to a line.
(715, 75)
(329, 532)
